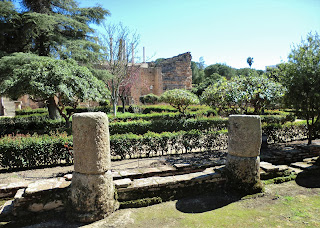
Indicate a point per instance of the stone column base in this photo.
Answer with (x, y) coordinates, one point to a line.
(91, 196)
(243, 174)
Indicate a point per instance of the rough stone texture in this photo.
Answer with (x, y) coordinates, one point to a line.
(92, 196)
(176, 72)
(243, 170)
(91, 143)
(244, 135)
(9, 190)
(45, 185)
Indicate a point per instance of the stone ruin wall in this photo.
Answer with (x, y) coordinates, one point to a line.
(176, 72)
(171, 73)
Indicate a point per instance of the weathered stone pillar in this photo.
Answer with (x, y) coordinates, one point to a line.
(243, 161)
(92, 190)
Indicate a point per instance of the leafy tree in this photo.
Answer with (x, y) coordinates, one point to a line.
(237, 94)
(179, 99)
(55, 28)
(60, 83)
(250, 61)
(302, 79)
(197, 73)
(248, 72)
(221, 69)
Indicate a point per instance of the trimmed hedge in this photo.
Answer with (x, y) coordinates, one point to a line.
(105, 109)
(287, 132)
(32, 151)
(141, 127)
(30, 111)
(25, 151)
(40, 124)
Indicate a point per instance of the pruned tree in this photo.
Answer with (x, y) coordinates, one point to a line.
(60, 83)
(119, 43)
(179, 99)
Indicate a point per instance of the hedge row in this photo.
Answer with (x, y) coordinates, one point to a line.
(155, 144)
(39, 124)
(141, 127)
(33, 151)
(154, 122)
(287, 132)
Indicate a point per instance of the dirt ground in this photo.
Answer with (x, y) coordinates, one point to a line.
(305, 187)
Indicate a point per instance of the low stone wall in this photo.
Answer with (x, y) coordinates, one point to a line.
(290, 154)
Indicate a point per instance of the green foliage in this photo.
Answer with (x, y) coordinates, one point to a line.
(220, 69)
(301, 77)
(25, 151)
(161, 125)
(240, 92)
(197, 72)
(152, 144)
(179, 99)
(37, 123)
(149, 99)
(58, 28)
(29, 111)
(45, 78)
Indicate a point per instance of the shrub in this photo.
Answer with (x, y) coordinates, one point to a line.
(149, 99)
(179, 99)
(25, 151)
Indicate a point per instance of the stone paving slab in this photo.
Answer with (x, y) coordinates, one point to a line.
(122, 183)
(129, 172)
(301, 165)
(8, 190)
(268, 167)
(296, 170)
(47, 184)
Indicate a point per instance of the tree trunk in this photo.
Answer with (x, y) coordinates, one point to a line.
(114, 106)
(310, 129)
(123, 105)
(53, 109)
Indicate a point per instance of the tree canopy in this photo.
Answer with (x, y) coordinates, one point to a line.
(58, 82)
(179, 99)
(301, 77)
(56, 28)
(235, 95)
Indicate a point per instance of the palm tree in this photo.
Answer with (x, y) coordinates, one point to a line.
(250, 61)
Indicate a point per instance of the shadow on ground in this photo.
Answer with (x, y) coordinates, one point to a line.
(309, 178)
(207, 202)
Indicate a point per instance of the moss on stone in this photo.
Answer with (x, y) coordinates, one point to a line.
(140, 202)
(279, 180)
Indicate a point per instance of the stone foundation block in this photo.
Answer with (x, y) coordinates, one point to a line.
(91, 142)
(243, 171)
(92, 196)
(244, 135)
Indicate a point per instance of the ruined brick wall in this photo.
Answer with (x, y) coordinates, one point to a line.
(176, 72)
(149, 81)
(27, 102)
(171, 73)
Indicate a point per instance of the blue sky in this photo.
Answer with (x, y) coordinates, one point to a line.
(224, 31)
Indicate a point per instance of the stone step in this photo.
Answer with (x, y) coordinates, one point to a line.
(164, 170)
(303, 165)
